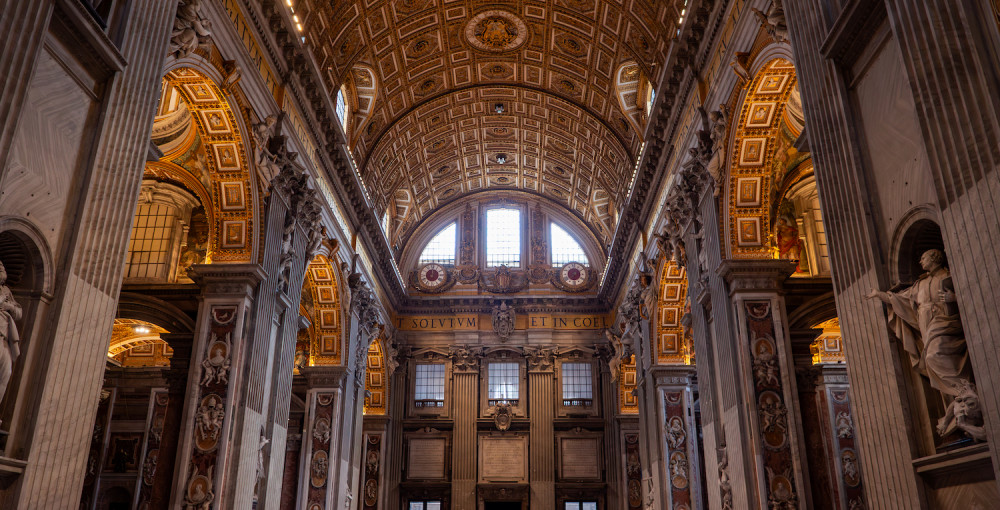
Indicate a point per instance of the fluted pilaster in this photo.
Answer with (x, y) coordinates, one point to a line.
(465, 409)
(541, 411)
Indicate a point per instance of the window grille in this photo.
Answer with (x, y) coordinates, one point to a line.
(565, 249)
(504, 379)
(581, 505)
(441, 248)
(150, 245)
(577, 388)
(342, 109)
(503, 237)
(429, 388)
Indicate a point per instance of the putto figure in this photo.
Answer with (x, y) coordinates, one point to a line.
(925, 317)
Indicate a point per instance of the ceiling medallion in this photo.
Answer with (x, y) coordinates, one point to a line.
(496, 31)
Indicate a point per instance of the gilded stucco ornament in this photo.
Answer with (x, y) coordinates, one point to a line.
(925, 316)
(496, 31)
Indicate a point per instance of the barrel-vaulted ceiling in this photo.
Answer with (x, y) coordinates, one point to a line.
(441, 68)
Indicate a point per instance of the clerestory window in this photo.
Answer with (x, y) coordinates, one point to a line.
(503, 237)
(565, 248)
(441, 248)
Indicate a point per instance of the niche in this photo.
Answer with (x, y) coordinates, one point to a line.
(25, 267)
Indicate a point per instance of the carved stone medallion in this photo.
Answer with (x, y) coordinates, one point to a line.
(496, 31)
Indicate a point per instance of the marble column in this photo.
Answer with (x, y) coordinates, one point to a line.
(465, 411)
(767, 369)
(77, 328)
(324, 423)
(541, 411)
(214, 381)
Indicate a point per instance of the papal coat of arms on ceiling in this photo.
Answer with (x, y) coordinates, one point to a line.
(496, 31)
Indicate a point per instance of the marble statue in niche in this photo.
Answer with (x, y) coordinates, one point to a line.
(10, 339)
(926, 318)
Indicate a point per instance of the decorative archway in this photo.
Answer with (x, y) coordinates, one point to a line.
(212, 161)
(761, 154)
(322, 290)
(376, 382)
(672, 343)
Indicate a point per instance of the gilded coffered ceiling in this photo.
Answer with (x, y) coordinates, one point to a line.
(433, 132)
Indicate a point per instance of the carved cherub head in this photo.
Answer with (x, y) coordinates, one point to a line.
(966, 406)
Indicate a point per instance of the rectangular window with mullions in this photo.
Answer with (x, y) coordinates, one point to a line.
(429, 385)
(581, 505)
(504, 379)
(577, 386)
(503, 237)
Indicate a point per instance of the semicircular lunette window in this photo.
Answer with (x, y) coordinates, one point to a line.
(565, 248)
(441, 248)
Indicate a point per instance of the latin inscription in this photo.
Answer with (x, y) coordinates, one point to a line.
(502, 459)
(482, 322)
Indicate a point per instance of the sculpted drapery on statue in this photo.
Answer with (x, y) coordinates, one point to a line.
(10, 340)
(925, 317)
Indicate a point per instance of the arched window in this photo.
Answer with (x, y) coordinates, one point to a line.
(342, 108)
(565, 248)
(503, 237)
(441, 249)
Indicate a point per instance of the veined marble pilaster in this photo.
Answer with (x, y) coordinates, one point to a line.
(217, 353)
(541, 411)
(677, 432)
(321, 437)
(762, 333)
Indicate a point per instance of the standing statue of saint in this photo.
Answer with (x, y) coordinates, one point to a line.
(10, 349)
(925, 317)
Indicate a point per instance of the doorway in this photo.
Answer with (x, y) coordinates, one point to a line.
(501, 505)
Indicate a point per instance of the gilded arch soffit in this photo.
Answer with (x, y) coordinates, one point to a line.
(322, 295)
(758, 160)
(376, 382)
(217, 159)
(461, 58)
(672, 342)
